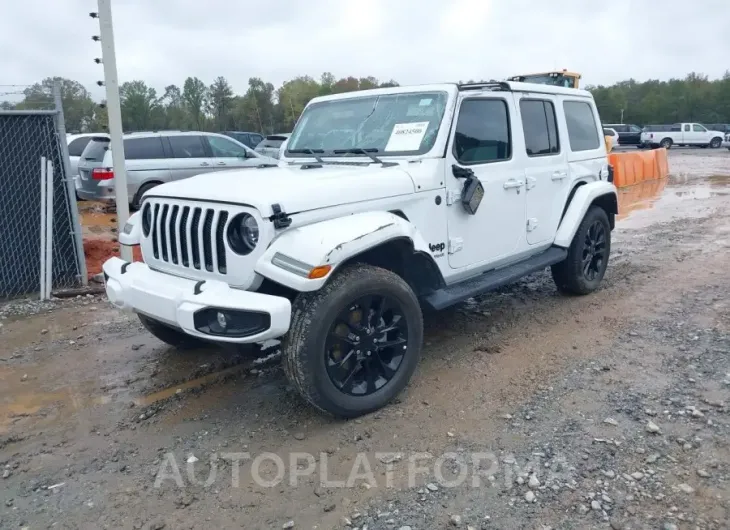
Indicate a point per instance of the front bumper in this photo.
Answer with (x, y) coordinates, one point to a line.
(173, 300)
(726, 143)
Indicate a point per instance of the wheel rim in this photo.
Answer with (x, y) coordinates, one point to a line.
(366, 345)
(715, 143)
(666, 144)
(594, 251)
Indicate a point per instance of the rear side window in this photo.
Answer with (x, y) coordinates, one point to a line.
(582, 131)
(143, 148)
(187, 146)
(540, 127)
(482, 132)
(256, 139)
(95, 149)
(608, 132)
(77, 146)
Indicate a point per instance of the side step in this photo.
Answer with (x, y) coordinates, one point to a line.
(494, 279)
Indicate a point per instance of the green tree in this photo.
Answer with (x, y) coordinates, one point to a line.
(140, 106)
(195, 98)
(220, 101)
(78, 107)
(255, 110)
(174, 108)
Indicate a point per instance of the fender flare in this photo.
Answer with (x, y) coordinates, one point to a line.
(333, 242)
(585, 196)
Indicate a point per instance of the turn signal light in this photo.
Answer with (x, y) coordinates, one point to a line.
(319, 272)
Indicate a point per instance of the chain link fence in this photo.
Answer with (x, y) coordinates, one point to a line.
(25, 137)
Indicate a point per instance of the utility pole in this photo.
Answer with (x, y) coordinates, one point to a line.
(114, 109)
(622, 116)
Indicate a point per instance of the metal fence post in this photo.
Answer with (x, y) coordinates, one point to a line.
(70, 185)
(114, 108)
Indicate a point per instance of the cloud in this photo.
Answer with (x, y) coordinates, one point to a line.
(412, 41)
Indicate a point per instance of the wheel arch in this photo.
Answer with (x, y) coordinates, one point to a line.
(601, 194)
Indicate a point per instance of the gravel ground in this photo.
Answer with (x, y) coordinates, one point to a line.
(530, 410)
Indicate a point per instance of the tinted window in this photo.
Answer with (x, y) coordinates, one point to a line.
(223, 148)
(634, 128)
(96, 149)
(143, 148)
(272, 141)
(187, 146)
(621, 128)
(582, 131)
(76, 147)
(255, 140)
(482, 131)
(540, 127)
(608, 132)
(698, 128)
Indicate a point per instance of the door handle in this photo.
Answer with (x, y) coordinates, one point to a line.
(559, 175)
(221, 163)
(512, 183)
(204, 164)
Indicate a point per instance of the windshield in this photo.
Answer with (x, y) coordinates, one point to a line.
(391, 124)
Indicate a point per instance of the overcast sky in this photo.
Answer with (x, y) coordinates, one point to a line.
(411, 41)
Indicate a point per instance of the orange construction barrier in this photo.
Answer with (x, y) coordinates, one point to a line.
(631, 168)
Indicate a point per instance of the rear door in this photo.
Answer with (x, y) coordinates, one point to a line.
(228, 154)
(189, 156)
(145, 160)
(546, 167)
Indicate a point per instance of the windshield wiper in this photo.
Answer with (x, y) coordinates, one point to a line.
(361, 151)
(313, 152)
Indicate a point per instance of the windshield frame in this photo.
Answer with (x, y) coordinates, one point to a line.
(423, 92)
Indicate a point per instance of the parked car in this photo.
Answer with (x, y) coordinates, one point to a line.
(249, 139)
(726, 143)
(680, 134)
(76, 144)
(722, 127)
(271, 145)
(420, 196)
(613, 135)
(155, 157)
(628, 134)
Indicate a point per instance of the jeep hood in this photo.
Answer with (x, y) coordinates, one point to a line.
(293, 188)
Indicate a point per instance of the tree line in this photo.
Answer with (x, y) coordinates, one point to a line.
(264, 108)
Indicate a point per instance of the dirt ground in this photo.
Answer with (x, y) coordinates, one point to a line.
(605, 411)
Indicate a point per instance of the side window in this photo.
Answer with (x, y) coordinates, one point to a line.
(223, 148)
(256, 139)
(143, 148)
(698, 128)
(582, 131)
(540, 127)
(686, 128)
(76, 147)
(185, 146)
(608, 132)
(635, 129)
(482, 132)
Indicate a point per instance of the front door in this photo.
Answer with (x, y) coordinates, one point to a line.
(546, 168)
(483, 142)
(228, 154)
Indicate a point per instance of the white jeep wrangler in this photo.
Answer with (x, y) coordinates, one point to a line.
(384, 201)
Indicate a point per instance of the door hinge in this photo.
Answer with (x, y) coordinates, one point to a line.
(452, 196)
(531, 182)
(455, 245)
(531, 224)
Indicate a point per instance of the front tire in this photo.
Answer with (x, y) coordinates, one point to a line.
(716, 143)
(582, 271)
(169, 335)
(354, 344)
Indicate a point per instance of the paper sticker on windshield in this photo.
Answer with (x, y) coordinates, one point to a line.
(407, 136)
(425, 102)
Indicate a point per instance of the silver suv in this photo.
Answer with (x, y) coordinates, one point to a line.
(152, 158)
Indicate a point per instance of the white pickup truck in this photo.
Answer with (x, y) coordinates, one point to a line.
(680, 134)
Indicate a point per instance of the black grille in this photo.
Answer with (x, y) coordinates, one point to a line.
(190, 236)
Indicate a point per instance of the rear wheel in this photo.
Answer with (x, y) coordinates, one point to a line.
(582, 271)
(169, 335)
(666, 143)
(137, 200)
(354, 344)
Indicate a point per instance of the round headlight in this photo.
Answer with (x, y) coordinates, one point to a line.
(146, 219)
(243, 234)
